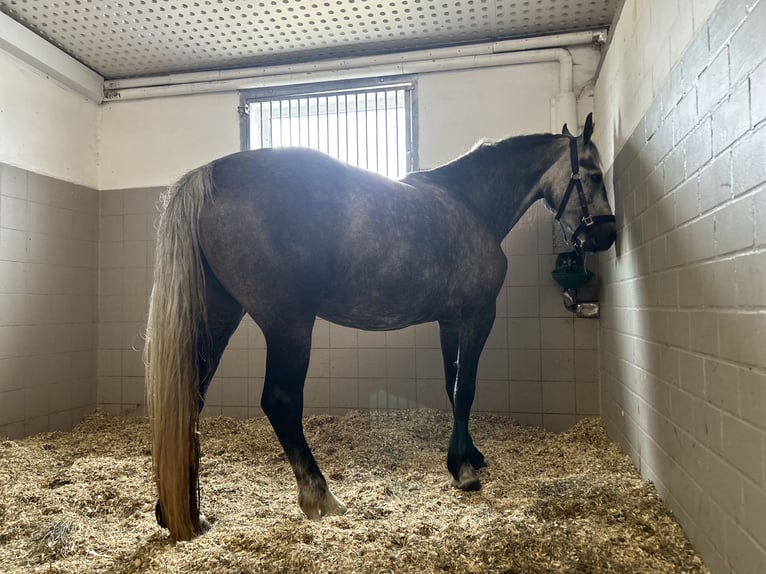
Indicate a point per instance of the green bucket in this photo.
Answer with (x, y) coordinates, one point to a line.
(570, 271)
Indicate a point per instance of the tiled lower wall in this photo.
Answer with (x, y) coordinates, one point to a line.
(539, 366)
(683, 330)
(48, 297)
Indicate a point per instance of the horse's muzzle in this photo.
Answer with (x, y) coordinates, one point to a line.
(598, 237)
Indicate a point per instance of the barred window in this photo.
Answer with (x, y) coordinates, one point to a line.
(369, 126)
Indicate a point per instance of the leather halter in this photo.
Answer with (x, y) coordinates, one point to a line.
(587, 220)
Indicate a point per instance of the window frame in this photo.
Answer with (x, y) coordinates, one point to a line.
(246, 97)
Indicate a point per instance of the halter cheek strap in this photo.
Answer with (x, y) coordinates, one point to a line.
(575, 182)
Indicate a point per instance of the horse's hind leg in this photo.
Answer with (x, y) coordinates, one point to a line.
(223, 316)
(287, 359)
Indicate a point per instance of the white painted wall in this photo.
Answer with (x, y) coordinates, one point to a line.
(146, 143)
(457, 109)
(466, 106)
(44, 127)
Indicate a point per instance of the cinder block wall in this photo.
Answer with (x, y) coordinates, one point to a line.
(48, 298)
(683, 330)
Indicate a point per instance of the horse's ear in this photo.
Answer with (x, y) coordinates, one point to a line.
(587, 131)
(565, 131)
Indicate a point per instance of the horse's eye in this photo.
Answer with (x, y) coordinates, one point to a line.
(595, 177)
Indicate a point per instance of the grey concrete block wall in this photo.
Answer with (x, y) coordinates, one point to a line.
(683, 331)
(48, 302)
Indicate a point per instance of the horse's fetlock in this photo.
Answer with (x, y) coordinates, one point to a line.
(158, 515)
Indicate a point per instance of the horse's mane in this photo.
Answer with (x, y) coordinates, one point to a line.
(521, 141)
(508, 146)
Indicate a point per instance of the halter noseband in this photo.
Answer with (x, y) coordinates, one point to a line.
(587, 220)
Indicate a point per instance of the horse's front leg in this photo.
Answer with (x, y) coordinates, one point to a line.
(449, 335)
(463, 458)
(287, 360)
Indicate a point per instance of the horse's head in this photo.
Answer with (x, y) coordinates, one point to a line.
(574, 190)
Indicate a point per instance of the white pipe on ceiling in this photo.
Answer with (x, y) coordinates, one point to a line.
(508, 52)
(342, 73)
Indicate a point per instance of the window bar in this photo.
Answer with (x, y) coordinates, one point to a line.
(396, 132)
(281, 122)
(286, 140)
(263, 125)
(377, 134)
(345, 122)
(271, 122)
(323, 116)
(252, 108)
(337, 126)
(327, 122)
(277, 122)
(410, 160)
(366, 132)
(316, 119)
(299, 122)
(385, 119)
(356, 125)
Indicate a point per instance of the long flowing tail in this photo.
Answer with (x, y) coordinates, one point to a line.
(177, 319)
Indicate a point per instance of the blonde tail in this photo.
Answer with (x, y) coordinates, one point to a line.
(177, 318)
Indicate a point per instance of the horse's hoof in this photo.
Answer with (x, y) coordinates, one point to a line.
(321, 506)
(467, 479)
(332, 505)
(204, 524)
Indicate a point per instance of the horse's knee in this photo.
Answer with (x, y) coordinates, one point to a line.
(276, 402)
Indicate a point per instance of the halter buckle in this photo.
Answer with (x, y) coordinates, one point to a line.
(587, 220)
(575, 176)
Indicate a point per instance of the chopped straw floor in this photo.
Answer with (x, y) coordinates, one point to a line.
(83, 501)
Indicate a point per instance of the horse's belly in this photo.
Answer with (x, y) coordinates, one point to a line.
(368, 320)
(377, 308)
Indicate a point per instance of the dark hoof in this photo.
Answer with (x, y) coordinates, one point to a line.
(467, 479)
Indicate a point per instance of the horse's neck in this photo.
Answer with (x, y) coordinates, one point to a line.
(501, 181)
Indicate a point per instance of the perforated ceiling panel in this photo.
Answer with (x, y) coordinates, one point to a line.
(123, 38)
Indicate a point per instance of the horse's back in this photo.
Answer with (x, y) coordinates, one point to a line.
(297, 228)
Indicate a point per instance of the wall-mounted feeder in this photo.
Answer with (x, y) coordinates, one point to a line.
(571, 273)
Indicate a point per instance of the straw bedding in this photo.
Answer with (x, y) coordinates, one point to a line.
(83, 501)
